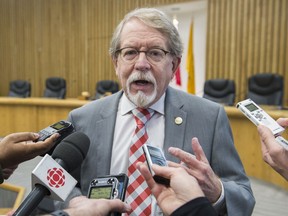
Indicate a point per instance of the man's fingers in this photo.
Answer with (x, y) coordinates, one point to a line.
(34, 149)
(118, 206)
(188, 159)
(22, 136)
(266, 136)
(165, 172)
(146, 174)
(53, 138)
(42, 146)
(200, 155)
(173, 164)
(283, 122)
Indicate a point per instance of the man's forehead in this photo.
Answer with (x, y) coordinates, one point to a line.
(136, 33)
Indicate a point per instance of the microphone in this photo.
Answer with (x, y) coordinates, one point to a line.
(50, 179)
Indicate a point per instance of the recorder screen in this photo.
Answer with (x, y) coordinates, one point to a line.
(57, 126)
(101, 192)
(251, 107)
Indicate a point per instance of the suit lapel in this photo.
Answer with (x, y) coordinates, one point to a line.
(175, 122)
(105, 134)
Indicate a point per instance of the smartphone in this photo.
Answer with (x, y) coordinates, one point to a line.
(103, 188)
(258, 116)
(64, 128)
(155, 155)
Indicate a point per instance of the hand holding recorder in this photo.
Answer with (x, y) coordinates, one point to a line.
(273, 154)
(63, 127)
(183, 188)
(19, 147)
(270, 134)
(259, 117)
(109, 187)
(80, 206)
(155, 155)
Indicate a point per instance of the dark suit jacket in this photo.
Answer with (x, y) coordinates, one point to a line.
(196, 207)
(203, 119)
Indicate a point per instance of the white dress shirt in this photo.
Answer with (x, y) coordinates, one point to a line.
(124, 129)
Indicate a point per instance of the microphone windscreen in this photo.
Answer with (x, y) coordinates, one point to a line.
(72, 150)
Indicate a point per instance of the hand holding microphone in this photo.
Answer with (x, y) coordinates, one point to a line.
(49, 179)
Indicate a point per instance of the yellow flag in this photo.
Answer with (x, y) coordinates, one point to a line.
(190, 63)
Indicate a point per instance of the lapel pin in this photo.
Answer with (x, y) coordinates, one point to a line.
(178, 120)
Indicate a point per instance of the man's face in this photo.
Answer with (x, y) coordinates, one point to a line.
(143, 80)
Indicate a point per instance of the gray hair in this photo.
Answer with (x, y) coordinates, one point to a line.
(153, 18)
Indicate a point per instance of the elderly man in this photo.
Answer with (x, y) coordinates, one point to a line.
(146, 51)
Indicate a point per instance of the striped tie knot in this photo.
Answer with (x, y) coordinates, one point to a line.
(141, 116)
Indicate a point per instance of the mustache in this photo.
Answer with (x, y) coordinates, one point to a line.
(146, 76)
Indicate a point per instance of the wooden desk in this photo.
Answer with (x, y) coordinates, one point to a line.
(248, 145)
(13, 197)
(33, 114)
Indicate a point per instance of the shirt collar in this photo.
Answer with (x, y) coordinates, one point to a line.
(126, 105)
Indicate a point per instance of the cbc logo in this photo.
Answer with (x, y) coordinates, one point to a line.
(56, 177)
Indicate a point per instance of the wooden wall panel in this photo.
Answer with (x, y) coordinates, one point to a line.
(43, 38)
(247, 37)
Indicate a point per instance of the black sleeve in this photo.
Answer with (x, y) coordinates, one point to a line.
(196, 207)
(1, 175)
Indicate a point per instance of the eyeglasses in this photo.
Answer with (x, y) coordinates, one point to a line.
(130, 55)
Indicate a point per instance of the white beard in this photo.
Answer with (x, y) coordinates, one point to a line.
(140, 99)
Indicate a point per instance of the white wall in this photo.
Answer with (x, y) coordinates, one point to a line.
(195, 11)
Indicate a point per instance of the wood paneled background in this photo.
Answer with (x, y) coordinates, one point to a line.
(70, 38)
(246, 37)
(67, 38)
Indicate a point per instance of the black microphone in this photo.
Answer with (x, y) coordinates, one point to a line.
(49, 179)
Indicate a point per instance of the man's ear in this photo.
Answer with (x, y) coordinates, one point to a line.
(175, 64)
(115, 62)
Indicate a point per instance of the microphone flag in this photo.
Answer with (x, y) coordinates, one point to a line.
(54, 177)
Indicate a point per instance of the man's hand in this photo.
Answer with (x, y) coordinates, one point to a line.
(80, 206)
(198, 166)
(18, 147)
(183, 187)
(272, 152)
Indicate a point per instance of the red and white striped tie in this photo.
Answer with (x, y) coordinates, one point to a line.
(138, 193)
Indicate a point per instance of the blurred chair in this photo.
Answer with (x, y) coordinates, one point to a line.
(105, 88)
(13, 197)
(220, 91)
(19, 88)
(266, 89)
(55, 88)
